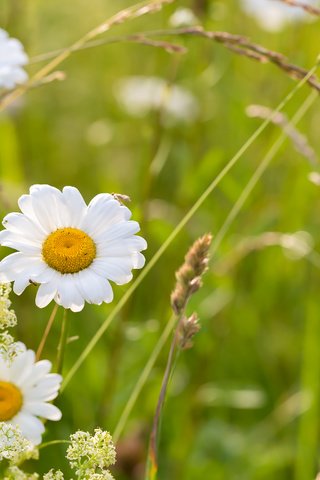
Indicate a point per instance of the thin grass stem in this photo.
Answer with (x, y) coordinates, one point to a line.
(47, 331)
(259, 172)
(308, 430)
(62, 342)
(52, 442)
(143, 378)
(152, 460)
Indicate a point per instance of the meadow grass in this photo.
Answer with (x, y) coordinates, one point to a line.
(243, 402)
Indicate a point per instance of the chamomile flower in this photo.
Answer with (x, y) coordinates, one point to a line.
(71, 249)
(12, 59)
(25, 388)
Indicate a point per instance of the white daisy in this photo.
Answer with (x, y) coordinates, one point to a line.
(12, 58)
(139, 95)
(25, 388)
(72, 250)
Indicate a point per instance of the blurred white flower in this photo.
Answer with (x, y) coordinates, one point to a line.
(12, 59)
(140, 95)
(71, 249)
(25, 388)
(298, 244)
(183, 17)
(273, 16)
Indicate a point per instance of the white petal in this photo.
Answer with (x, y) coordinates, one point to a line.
(103, 211)
(21, 283)
(22, 366)
(46, 293)
(48, 206)
(122, 247)
(119, 230)
(21, 224)
(31, 427)
(138, 260)
(116, 269)
(25, 203)
(44, 410)
(68, 294)
(76, 205)
(94, 288)
(26, 246)
(39, 370)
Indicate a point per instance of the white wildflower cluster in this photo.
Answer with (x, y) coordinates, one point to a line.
(7, 317)
(8, 347)
(15, 473)
(13, 446)
(12, 59)
(53, 475)
(91, 456)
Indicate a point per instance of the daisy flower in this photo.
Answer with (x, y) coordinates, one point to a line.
(25, 388)
(12, 58)
(71, 249)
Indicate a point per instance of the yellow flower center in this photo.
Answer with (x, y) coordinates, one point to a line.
(68, 250)
(10, 401)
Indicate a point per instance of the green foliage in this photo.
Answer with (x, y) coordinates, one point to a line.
(243, 402)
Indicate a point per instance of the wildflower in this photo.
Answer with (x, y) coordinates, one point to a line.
(7, 317)
(14, 473)
(72, 250)
(273, 16)
(53, 475)
(25, 388)
(140, 95)
(91, 456)
(8, 347)
(12, 58)
(13, 446)
(183, 17)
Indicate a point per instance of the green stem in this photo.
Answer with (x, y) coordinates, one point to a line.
(308, 431)
(52, 442)
(143, 378)
(152, 460)
(62, 342)
(47, 331)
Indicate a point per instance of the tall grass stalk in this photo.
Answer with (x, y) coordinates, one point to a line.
(215, 182)
(307, 446)
(143, 378)
(259, 172)
(47, 331)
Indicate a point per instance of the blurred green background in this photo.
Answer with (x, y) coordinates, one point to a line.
(244, 401)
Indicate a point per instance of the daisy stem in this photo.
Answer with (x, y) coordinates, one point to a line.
(47, 331)
(62, 342)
